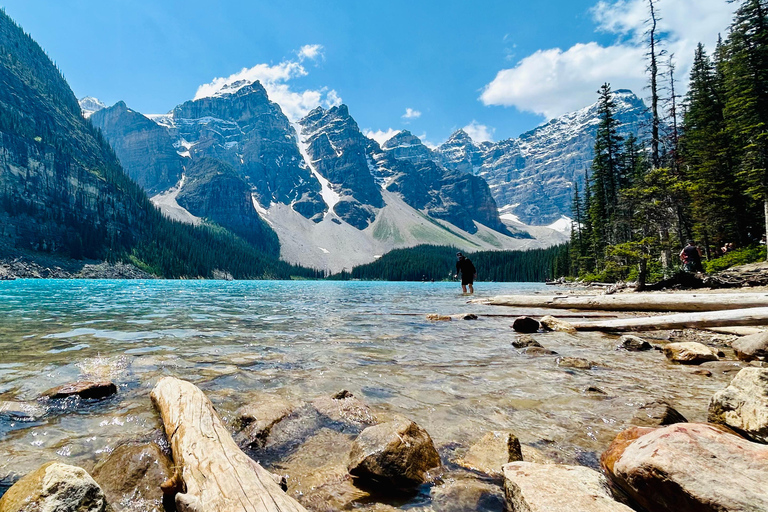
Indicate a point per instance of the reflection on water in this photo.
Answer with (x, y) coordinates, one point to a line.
(306, 339)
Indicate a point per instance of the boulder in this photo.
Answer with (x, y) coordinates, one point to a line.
(398, 453)
(754, 346)
(689, 352)
(131, 477)
(656, 414)
(723, 366)
(462, 494)
(689, 467)
(344, 407)
(531, 487)
(257, 418)
(490, 453)
(83, 389)
(525, 341)
(55, 487)
(21, 411)
(465, 316)
(743, 405)
(633, 343)
(575, 362)
(538, 351)
(551, 323)
(526, 325)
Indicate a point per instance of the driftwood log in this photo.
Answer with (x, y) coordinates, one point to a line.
(635, 301)
(736, 317)
(213, 473)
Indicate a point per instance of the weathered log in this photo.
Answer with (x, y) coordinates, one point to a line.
(736, 317)
(738, 331)
(635, 301)
(214, 473)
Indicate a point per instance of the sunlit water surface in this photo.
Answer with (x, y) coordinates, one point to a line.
(305, 339)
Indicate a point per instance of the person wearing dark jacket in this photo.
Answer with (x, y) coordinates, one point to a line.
(691, 258)
(467, 270)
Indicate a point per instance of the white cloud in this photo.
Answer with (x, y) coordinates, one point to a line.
(381, 136)
(411, 114)
(275, 78)
(479, 132)
(311, 51)
(553, 81)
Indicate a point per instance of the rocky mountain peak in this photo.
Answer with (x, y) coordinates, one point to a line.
(459, 137)
(406, 146)
(89, 105)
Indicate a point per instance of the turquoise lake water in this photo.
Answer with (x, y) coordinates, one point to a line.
(305, 339)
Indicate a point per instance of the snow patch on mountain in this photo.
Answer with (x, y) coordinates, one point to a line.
(330, 196)
(89, 105)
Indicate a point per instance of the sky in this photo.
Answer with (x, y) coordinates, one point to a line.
(494, 68)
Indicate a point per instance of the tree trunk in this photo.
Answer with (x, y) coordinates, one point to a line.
(736, 317)
(765, 237)
(215, 474)
(635, 302)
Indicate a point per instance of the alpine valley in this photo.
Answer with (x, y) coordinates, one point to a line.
(336, 198)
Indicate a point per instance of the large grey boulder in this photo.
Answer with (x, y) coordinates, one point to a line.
(689, 352)
(398, 453)
(689, 467)
(531, 487)
(55, 487)
(754, 346)
(256, 419)
(743, 405)
(131, 477)
(491, 452)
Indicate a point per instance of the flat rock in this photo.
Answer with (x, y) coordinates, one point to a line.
(83, 389)
(538, 351)
(525, 341)
(344, 407)
(656, 414)
(530, 487)
(689, 352)
(256, 419)
(439, 318)
(575, 362)
(551, 323)
(526, 325)
(723, 366)
(633, 343)
(743, 405)
(23, 411)
(490, 453)
(462, 494)
(689, 467)
(55, 487)
(754, 346)
(398, 453)
(131, 477)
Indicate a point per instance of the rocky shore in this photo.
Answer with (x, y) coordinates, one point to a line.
(22, 267)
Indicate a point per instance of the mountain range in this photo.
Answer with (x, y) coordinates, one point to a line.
(335, 198)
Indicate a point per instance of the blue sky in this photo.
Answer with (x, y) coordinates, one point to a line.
(497, 67)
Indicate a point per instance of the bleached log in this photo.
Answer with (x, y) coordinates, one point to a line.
(215, 474)
(635, 301)
(738, 331)
(732, 318)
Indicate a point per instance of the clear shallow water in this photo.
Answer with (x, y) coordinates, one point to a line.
(305, 339)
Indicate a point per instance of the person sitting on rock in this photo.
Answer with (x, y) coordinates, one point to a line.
(691, 258)
(467, 270)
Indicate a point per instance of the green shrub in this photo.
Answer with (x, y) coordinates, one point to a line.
(749, 254)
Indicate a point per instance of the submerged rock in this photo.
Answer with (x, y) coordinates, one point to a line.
(257, 418)
(689, 467)
(492, 451)
(526, 325)
(689, 352)
(656, 414)
(743, 405)
(575, 362)
(633, 343)
(23, 411)
(439, 318)
(525, 341)
(83, 389)
(344, 407)
(398, 453)
(530, 487)
(131, 477)
(538, 351)
(462, 494)
(55, 487)
(754, 346)
(723, 366)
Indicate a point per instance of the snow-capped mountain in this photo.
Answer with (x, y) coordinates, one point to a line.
(334, 197)
(89, 105)
(532, 177)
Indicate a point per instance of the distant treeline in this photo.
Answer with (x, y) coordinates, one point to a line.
(438, 263)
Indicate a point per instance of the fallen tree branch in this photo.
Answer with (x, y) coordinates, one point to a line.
(215, 475)
(732, 318)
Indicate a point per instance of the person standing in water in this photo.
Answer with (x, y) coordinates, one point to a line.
(467, 270)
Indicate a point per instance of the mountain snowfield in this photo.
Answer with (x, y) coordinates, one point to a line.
(336, 198)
